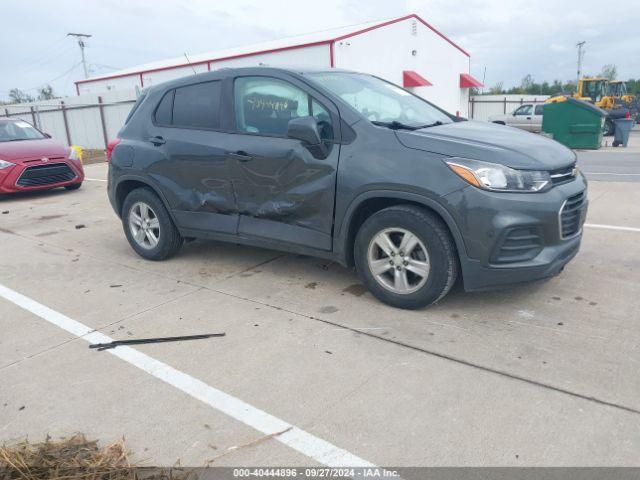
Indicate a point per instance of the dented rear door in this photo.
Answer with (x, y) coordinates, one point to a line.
(195, 173)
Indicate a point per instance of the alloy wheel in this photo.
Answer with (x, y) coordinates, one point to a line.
(144, 225)
(398, 260)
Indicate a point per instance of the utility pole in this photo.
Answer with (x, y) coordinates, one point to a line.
(81, 44)
(580, 46)
(484, 76)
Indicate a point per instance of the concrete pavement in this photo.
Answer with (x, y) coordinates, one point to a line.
(542, 374)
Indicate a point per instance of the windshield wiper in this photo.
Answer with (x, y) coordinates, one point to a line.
(428, 125)
(395, 125)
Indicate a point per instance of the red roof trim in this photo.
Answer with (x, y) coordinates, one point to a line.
(414, 79)
(281, 49)
(467, 81)
(202, 62)
(401, 19)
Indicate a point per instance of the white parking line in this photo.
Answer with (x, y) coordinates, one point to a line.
(95, 179)
(611, 173)
(290, 435)
(612, 227)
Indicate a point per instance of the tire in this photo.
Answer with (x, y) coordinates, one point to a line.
(156, 221)
(75, 186)
(439, 256)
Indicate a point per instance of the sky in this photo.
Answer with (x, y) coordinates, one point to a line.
(511, 38)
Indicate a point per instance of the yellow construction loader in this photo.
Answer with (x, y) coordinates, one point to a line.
(618, 90)
(609, 95)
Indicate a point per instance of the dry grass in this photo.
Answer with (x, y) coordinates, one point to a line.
(73, 458)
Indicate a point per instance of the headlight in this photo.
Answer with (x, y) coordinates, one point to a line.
(75, 153)
(4, 164)
(492, 176)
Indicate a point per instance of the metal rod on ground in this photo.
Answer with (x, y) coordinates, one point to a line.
(140, 341)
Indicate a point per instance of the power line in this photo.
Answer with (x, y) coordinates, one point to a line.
(43, 84)
(52, 55)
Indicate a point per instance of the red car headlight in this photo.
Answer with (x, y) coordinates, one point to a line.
(4, 164)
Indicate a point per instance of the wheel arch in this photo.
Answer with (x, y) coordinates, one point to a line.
(127, 183)
(368, 203)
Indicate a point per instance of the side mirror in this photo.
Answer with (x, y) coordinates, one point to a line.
(514, 114)
(304, 129)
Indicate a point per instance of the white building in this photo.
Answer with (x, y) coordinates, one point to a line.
(407, 51)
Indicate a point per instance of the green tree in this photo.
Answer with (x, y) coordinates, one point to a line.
(609, 71)
(18, 96)
(496, 89)
(527, 83)
(46, 93)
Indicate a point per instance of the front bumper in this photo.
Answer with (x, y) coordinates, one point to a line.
(9, 177)
(491, 224)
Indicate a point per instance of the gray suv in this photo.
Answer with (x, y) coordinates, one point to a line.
(347, 167)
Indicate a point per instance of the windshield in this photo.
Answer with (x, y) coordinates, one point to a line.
(379, 101)
(18, 130)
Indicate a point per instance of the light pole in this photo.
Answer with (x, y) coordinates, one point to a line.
(81, 44)
(580, 46)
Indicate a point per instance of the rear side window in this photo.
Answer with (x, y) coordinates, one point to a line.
(197, 106)
(539, 109)
(135, 107)
(164, 112)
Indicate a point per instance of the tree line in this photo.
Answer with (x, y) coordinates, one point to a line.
(529, 86)
(18, 96)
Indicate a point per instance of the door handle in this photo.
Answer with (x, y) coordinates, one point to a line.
(240, 156)
(157, 141)
(528, 118)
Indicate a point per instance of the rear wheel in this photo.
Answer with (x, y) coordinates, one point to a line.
(406, 257)
(148, 226)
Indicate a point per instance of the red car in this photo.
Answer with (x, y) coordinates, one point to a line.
(31, 160)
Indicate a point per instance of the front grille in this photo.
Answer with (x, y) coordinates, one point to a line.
(40, 175)
(571, 217)
(563, 175)
(518, 245)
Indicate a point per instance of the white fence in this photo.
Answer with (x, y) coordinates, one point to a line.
(481, 107)
(88, 120)
(92, 120)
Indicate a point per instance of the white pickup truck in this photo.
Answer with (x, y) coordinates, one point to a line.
(527, 116)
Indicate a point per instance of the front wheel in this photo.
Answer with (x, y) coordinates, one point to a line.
(148, 226)
(75, 186)
(406, 257)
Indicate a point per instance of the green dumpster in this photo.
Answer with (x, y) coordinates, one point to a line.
(574, 123)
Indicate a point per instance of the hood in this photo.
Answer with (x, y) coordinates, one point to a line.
(30, 149)
(489, 142)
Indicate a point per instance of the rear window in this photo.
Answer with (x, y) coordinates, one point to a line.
(197, 106)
